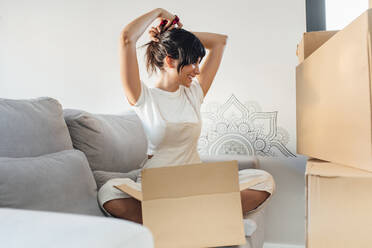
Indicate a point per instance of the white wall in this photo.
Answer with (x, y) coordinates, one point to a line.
(340, 13)
(69, 50)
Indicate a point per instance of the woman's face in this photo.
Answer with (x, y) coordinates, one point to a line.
(188, 72)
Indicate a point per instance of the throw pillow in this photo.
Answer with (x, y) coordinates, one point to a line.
(34, 127)
(59, 182)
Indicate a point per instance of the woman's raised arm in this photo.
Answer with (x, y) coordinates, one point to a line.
(129, 70)
(215, 43)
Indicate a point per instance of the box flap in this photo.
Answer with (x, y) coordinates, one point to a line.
(327, 169)
(311, 41)
(131, 188)
(210, 178)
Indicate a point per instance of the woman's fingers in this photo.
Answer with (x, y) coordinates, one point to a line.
(154, 39)
(179, 25)
(171, 27)
(154, 29)
(169, 24)
(166, 24)
(153, 33)
(158, 28)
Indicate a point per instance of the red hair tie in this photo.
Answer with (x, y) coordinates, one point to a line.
(163, 22)
(176, 20)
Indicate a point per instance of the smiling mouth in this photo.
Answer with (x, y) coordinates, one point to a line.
(190, 77)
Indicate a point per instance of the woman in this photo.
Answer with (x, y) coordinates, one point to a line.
(170, 112)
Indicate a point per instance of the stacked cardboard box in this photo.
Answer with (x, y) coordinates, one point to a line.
(334, 124)
(339, 205)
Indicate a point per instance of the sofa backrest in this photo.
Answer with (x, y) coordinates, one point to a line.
(114, 143)
(30, 128)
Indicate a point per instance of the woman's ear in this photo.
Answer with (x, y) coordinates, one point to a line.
(171, 63)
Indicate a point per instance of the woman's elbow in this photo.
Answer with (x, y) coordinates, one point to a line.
(224, 39)
(125, 37)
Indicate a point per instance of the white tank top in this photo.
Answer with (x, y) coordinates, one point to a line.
(172, 124)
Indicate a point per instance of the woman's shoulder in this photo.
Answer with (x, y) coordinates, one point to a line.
(145, 95)
(195, 90)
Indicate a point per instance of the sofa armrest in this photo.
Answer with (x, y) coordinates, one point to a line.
(39, 229)
(244, 161)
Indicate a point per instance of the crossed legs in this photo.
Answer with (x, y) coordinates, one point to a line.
(130, 208)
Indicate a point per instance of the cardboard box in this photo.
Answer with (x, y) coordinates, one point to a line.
(312, 41)
(333, 98)
(196, 205)
(338, 206)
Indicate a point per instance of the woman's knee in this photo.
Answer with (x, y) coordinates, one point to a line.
(251, 199)
(261, 196)
(122, 208)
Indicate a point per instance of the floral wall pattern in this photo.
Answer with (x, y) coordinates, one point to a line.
(241, 128)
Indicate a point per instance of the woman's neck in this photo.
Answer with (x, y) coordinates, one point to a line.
(167, 83)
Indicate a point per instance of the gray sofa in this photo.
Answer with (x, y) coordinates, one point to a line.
(55, 160)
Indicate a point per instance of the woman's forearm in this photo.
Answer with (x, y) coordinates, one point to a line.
(137, 27)
(209, 40)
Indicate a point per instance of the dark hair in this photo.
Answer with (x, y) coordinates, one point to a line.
(176, 43)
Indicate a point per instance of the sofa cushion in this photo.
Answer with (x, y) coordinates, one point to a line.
(31, 128)
(60, 182)
(38, 229)
(115, 143)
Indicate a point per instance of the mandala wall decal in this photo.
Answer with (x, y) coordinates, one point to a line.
(237, 128)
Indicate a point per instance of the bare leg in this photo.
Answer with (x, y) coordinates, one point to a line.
(130, 208)
(126, 208)
(252, 198)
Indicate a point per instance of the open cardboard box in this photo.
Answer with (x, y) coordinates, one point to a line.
(334, 99)
(338, 206)
(195, 205)
(311, 41)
